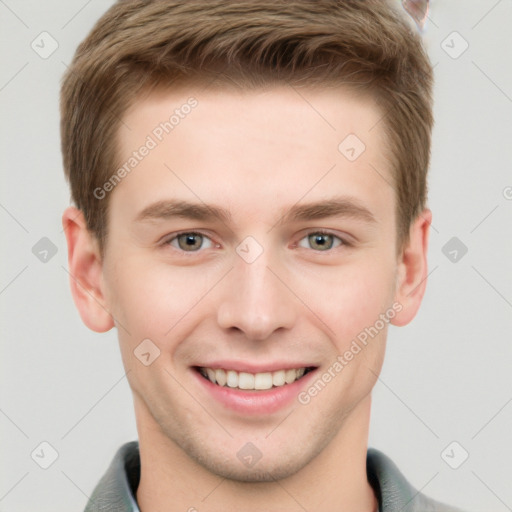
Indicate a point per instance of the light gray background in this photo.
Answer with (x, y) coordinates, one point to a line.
(447, 375)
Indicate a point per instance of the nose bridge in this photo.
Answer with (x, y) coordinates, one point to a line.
(254, 300)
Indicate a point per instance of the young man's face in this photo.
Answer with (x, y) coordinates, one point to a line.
(260, 289)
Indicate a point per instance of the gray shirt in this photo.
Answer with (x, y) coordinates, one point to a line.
(117, 488)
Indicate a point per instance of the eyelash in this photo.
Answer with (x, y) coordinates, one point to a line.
(343, 241)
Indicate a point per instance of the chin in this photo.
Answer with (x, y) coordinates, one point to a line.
(278, 467)
(260, 473)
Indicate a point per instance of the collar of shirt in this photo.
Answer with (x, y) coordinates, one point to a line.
(117, 488)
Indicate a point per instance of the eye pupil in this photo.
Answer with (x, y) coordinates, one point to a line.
(190, 240)
(322, 240)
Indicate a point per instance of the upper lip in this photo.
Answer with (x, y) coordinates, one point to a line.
(251, 367)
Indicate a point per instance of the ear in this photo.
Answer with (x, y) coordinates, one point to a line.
(85, 272)
(412, 270)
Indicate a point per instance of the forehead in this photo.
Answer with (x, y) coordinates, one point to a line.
(241, 147)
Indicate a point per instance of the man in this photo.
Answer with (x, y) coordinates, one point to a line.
(250, 189)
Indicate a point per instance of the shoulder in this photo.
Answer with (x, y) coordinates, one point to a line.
(393, 491)
(117, 487)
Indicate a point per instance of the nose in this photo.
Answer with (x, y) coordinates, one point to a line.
(255, 300)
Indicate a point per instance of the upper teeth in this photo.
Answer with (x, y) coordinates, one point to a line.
(243, 380)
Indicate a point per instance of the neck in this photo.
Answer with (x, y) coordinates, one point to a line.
(335, 480)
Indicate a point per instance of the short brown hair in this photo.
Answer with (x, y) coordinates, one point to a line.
(366, 45)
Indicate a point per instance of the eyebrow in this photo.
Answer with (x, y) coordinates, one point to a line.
(332, 207)
(168, 209)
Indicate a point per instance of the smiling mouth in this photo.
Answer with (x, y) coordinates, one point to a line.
(253, 381)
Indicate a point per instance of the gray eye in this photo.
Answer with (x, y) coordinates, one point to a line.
(321, 241)
(190, 242)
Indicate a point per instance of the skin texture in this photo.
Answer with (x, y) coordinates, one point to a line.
(256, 154)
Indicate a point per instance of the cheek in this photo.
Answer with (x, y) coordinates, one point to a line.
(352, 299)
(152, 299)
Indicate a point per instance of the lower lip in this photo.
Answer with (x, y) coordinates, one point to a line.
(255, 402)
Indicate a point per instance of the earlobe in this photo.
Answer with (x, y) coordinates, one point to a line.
(85, 272)
(413, 270)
